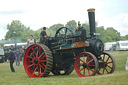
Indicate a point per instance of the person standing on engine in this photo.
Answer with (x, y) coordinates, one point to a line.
(30, 41)
(11, 57)
(17, 54)
(43, 37)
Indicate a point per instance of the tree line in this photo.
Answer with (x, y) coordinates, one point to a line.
(18, 31)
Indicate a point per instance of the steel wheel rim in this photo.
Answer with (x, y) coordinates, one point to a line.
(87, 71)
(35, 61)
(109, 64)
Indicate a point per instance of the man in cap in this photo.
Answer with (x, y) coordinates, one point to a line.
(12, 59)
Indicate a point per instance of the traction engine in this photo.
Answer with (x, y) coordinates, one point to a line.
(67, 51)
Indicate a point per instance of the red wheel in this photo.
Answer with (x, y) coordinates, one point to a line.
(38, 61)
(108, 64)
(86, 64)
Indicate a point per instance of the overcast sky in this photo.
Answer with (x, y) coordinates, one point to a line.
(39, 13)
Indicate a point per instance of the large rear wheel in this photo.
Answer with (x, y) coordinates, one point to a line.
(38, 61)
(86, 64)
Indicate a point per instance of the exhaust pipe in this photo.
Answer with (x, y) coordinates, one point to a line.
(91, 15)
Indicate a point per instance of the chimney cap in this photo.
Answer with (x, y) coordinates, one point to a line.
(91, 10)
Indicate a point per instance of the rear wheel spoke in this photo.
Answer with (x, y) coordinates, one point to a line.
(42, 61)
(35, 70)
(29, 57)
(30, 65)
(41, 55)
(34, 51)
(37, 53)
(84, 71)
(79, 65)
(41, 66)
(81, 69)
(82, 61)
(40, 70)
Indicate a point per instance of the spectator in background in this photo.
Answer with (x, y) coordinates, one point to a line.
(17, 54)
(12, 59)
(30, 41)
(22, 55)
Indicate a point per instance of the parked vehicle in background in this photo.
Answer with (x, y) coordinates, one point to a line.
(2, 57)
(122, 45)
(110, 46)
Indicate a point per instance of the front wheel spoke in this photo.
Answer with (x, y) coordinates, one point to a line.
(90, 69)
(107, 59)
(83, 58)
(109, 62)
(90, 61)
(88, 72)
(106, 70)
(103, 57)
(109, 66)
(103, 70)
(92, 65)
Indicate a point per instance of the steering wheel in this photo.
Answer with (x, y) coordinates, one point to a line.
(63, 32)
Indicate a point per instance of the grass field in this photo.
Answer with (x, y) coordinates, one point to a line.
(119, 77)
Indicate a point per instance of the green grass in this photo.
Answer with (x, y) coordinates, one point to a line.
(119, 77)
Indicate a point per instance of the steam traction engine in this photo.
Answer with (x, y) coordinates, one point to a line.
(68, 50)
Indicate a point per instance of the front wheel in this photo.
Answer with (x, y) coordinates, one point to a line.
(86, 64)
(109, 64)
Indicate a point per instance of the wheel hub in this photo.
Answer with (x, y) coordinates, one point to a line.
(36, 61)
(84, 65)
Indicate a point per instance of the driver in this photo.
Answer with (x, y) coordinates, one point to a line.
(43, 35)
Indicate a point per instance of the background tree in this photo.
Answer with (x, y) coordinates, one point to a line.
(17, 30)
(52, 30)
(71, 24)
